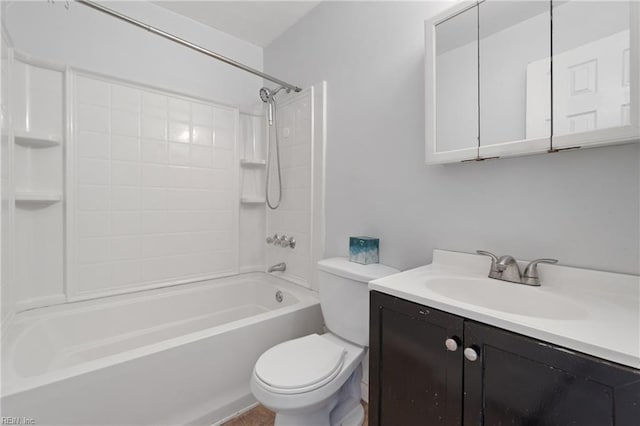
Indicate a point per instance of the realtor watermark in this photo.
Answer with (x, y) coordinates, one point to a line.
(5, 420)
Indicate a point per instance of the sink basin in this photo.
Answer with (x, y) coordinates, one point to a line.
(506, 297)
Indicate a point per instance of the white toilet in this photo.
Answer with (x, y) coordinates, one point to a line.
(315, 380)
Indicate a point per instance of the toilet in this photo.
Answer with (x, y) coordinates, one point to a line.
(315, 380)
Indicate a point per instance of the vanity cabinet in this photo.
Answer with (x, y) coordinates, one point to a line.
(412, 380)
(504, 79)
(489, 376)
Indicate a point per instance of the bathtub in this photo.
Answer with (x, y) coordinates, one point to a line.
(174, 356)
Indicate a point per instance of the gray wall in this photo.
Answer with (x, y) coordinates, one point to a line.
(581, 207)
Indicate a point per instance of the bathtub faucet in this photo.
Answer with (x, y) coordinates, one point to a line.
(278, 267)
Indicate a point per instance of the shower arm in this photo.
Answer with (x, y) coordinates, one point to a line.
(186, 43)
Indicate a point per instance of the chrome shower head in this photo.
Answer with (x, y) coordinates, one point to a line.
(268, 95)
(265, 94)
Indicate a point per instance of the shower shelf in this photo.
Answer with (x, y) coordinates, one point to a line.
(31, 139)
(252, 163)
(38, 197)
(252, 200)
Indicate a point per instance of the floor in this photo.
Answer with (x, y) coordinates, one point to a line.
(261, 416)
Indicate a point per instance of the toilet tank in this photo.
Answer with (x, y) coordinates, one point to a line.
(344, 296)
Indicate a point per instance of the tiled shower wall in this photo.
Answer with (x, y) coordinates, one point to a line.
(6, 308)
(154, 190)
(294, 216)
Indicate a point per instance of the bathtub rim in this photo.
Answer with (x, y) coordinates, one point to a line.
(16, 384)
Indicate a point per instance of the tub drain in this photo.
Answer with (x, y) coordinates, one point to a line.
(279, 296)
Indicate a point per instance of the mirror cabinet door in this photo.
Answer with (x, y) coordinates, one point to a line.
(515, 77)
(594, 50)
(456, 87)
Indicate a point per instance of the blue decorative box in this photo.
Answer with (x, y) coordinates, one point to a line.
(364, 250)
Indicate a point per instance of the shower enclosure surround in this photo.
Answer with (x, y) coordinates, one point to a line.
(153, 197)
(301, 136)
(118, 187)
(114, 186)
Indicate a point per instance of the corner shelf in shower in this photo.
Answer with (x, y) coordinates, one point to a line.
(252, 163)
(252, 200)
(34, 197)
(31, 139)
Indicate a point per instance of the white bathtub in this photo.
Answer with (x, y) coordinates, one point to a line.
(179, 355)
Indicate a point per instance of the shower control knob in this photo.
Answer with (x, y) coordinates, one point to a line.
(284, 242)
(292, 242)
(273, 240)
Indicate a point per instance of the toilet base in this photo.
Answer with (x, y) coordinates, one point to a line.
(354, 418)
(344, 409)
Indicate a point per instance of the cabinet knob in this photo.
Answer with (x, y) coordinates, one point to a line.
(471, 354)
(452, 344)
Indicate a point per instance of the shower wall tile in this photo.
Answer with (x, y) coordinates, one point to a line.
(93, 145)
(293, 217)
(154, 128)
(154, 175)
(93, 92)
(202, 114)
(124, 98)
(93, 171)
(154, 151)
(125, 123)
(156, 199)
(94, 119)
(126, 148)
(154, 104)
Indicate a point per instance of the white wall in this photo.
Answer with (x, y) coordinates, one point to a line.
(86, 38)
(581, 207)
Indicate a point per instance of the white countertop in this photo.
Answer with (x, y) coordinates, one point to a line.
(607, 326)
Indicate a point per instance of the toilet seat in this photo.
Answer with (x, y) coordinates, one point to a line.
(300, 365)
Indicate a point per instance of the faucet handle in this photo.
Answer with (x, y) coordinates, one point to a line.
(531, 271)
(284, 241)
(493, 257)
(530, 275)
(493, 273)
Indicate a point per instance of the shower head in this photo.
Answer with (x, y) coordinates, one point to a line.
(265, 94)
(268, 97)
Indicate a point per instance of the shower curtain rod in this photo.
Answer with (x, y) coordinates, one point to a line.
(186, 43)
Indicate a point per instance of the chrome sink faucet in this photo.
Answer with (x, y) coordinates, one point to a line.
(505, 268)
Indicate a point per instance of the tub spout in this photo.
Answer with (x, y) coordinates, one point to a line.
(281, 267)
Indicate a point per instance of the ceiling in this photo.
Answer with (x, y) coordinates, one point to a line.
(258, 22)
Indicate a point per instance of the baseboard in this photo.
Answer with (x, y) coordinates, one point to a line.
(224, 413)
(236, 414)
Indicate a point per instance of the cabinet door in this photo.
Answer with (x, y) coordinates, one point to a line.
(595, 72)
(451, 85)
(515, 77)
(517, 380)
(414, 378)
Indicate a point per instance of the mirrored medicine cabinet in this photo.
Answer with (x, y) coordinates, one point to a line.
(505, 79)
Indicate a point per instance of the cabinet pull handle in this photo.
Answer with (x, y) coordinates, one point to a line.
(452, 344)
(471, 354)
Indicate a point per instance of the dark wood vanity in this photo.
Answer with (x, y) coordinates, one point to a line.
(514, 380)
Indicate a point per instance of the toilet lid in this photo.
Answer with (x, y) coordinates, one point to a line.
(300, 365)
